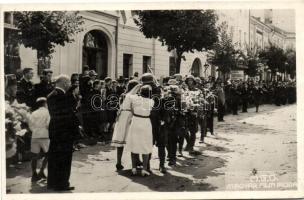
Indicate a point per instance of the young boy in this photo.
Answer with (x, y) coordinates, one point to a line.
(39, 123)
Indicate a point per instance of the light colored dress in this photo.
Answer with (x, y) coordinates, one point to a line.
(123, 123)
(140, 139)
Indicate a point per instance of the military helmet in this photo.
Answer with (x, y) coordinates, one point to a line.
(190, 77)
(147, 78)
(178, 77)
(198, 80)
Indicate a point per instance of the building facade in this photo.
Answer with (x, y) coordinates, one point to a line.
(112, 45)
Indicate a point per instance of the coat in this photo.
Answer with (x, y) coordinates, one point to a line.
(25, 93)
(63, 127)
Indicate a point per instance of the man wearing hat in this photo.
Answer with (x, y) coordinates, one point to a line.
(25, 92)
(45, 87)
(121, 85)
(93, 75)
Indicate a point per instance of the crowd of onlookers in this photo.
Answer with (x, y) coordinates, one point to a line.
(97, 100)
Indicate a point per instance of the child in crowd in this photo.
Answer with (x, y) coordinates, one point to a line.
(39, 125)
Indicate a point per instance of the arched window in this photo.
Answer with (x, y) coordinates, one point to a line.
(196, 67)
(95, 52)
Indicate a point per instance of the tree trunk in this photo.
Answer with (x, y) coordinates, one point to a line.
(178, 63)
(178, 60)
(43, 62)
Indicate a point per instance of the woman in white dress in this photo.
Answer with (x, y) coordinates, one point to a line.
(123, 122)
(140, 139)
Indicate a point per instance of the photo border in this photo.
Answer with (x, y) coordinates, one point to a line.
(299, 23)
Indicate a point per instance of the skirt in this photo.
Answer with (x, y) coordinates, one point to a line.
(121, 129)
(140, 139)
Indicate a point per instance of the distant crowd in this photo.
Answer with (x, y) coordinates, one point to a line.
(99, 104)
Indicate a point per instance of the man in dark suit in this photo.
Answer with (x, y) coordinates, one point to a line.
(45, 87)
(25, 89)
(63, 128)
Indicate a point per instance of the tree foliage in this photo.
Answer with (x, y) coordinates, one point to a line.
(275, 58)
(180, 30)
(224, 54)
(42, 31)
(291, 62)
(252, 60)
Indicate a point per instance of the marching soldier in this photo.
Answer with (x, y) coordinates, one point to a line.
(160, 138)
(221, 101)
(171, 111)
(245, 97)
(234, 92)
(192, 116)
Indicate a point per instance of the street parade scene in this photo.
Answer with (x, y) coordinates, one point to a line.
(98, 130)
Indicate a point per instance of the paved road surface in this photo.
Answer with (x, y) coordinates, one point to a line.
(249, 148)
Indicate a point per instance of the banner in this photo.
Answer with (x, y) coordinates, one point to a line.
(237, 74)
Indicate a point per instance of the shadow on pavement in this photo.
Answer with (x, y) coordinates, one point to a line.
(188, 175)
(168, 182)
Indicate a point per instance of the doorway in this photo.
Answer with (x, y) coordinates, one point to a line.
(95, 52)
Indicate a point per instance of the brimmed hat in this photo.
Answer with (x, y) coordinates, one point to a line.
(47, 71)
(120, 79)
(178, 76)
(197, 79)
(188, 78)
(92, 73)
(107, 79)
(172, 82)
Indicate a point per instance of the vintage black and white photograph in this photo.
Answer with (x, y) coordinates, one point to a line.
(114, 101)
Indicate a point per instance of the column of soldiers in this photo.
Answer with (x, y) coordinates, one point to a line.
(183, 106)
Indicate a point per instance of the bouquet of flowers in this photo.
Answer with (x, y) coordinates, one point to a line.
(15, 115)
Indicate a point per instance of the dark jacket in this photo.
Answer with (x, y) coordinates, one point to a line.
(63, 126)
(43, 89)
(25, 93)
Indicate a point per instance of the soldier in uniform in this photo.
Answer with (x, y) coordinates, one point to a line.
(211, 99)
(235, 95)
(112, 106)
(221, 101)
(192, 121)
(25, 89)
(45, 87)
(160, 138)
(63, 129)
(245, 97)
(182, 117)
(209, 111)
(171, 116)
(25, 94)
